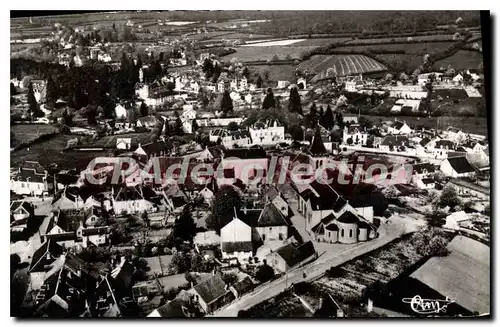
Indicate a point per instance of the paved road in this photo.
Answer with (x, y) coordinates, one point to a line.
(313, 270)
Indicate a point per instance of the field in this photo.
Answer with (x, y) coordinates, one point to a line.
(430, 38)
(29, 132)
(342, 65)
(274, 43)
(276, 72)
(267, 53)
(463, 59)
(50, 152)
(324, 41)
(417, 48)
(409, 61)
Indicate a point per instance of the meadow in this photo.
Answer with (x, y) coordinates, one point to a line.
(267, 53)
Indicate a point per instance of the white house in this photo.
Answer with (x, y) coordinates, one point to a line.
(356, 134)
(236, 240)
(399, 128)
(458, 79)
(120, 111)
(283, 84)
(31, 179)
(454, 220)
(269, 132)
(123, 143)
(457, 167)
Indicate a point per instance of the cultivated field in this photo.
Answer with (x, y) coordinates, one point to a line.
(463, 59)
(340, 65)
(267, 53)
(324, 41)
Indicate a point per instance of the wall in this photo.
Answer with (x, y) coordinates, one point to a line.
(348, 233)
(273, 233)
(236, 231)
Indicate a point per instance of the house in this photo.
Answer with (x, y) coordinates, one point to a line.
(356, 135)
(144, 291)
(457, 167)
(31, 179)
(465, 188)
(120, 111)
(268, 132)
(123, 143)
(177, 308)
(458, 79)
(353, 85)
(230, 139)
(148, 122)
(277, 199)
(20, 213)
(348, 228)
(301, 83)
(394, 143)
(210, 154)
(236, 240)
(242, 287)
(134, 199)
(283, 84)
(291, 256)
(455, 135)
(399, 128)
(68, 199)
(43, 262)
(272, 224)
(207, 238)
(247, 165)
(405, 106)
(422, 175)
(212, 293)
(153, 149)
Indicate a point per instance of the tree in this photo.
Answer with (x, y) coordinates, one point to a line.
(226, 199)
(296, 132)
(181, 262)
(259, 82)
(198, 264)
(327, 119)
(390, 192)
(178, 129)
(264, 273)
(429, 242)
(294, 104)
(226, 104)
(184, 226)
(339, 120)
(321, 112)
(143, 109)
(13, 90)
(449, 197)
(233, 126)
(269, 101)
(32, 103)
(229, 278)
(51, 91)
(194, 125)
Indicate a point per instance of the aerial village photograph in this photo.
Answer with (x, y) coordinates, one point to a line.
(250, 164)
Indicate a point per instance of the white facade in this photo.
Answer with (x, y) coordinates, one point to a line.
(269, 135)
(120, 111)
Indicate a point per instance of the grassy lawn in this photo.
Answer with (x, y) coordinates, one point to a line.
(461, 60)
(409, 48)
(276, 72)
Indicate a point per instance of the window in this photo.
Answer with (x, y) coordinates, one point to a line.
(342, 232)
(270, 228)
(350, 232)
(22, 184)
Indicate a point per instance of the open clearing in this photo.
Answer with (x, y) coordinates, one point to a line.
(274, 43)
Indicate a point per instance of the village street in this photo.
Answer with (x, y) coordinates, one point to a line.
(388, 233)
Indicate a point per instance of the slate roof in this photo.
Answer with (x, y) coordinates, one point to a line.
(348, 218)
(293, 255)
(70, 193)
(211, 289)
(67, 222)
(271, 216)
(231, 247)
(173, 309)
(250, 153)
(328, 198)
(243, 286)
(461, 165)
(442, 144)
(134, 193)
(398, 124)
(45, 255)
(463, 275)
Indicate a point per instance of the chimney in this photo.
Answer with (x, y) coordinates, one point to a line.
(48, 256)
(320, 304)
(340, 313)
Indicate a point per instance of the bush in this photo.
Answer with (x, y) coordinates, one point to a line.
(429, 242)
